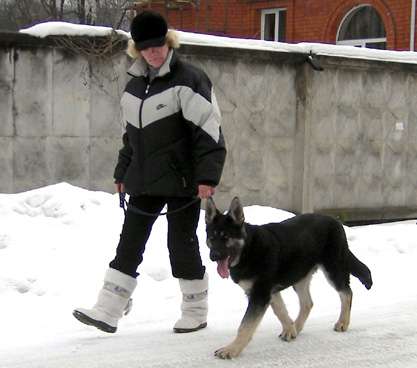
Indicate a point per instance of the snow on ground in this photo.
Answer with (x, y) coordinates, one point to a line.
(56, 242)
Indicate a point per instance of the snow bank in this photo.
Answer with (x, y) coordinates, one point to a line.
(56, 242)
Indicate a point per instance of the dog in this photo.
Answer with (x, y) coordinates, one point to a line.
(266, 259)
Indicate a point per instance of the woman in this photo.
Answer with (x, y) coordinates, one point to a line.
(173, 150)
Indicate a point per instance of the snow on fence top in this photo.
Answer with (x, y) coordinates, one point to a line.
(70, 29)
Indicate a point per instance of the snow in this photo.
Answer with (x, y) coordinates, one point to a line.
(64, 28)
(56, 242)
(69, 29)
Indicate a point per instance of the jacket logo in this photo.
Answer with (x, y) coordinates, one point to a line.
(160, 106)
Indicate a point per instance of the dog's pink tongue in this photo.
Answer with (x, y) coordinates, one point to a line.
(223, 268)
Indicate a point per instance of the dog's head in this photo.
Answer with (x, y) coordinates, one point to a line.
(225, 235)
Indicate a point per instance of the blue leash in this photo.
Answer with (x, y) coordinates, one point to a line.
(122, 200)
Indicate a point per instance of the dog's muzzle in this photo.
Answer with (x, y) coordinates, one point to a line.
(223, 262)
(216, 255)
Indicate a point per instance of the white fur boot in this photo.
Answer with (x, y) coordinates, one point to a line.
(194, 306)
(113, 301)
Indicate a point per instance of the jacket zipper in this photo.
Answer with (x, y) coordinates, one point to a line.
(141, 105)
(179, 175)
(141, 147)
(182, 178)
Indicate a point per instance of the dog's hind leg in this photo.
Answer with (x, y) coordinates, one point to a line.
(339, 279)
(289, 331)
(302, 288)
(336, 269)
(346, 304)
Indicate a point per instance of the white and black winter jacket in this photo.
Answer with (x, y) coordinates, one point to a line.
(173, 139)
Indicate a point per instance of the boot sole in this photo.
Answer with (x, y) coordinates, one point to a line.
(83, 318)
(186, 330)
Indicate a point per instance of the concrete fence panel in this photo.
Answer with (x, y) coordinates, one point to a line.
(342, 140)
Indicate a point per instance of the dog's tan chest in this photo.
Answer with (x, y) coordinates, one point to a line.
(246, 285)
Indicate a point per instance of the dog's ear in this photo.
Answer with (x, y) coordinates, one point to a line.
(211, 210)
(236, 211)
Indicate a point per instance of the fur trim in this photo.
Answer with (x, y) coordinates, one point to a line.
(120, 279)
(132, 51)
(194, 286)
(172, 41)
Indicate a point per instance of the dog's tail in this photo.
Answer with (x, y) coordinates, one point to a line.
(360, 270)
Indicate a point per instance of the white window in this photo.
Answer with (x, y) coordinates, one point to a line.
(362, 27)
(273, 24)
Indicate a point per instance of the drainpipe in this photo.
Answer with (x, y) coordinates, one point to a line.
(413, 24)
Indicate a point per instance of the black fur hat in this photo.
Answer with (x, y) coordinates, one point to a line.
(148, 29)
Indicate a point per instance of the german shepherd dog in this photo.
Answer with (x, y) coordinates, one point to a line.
(268, 258)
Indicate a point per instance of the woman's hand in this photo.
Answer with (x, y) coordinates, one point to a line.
(205, 191)
(120, 188)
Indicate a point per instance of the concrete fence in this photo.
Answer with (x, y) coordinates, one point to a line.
(342, 140)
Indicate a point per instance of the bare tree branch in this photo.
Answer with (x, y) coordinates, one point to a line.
(15, 14)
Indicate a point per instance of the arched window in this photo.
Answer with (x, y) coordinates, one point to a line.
(362, 27)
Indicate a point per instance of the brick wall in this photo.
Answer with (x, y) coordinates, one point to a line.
(307, 20)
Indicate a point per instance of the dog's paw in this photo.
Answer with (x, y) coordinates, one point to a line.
(228, 352)
(288, 333)
(341, 326)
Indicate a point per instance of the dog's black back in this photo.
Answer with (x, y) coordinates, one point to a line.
(285, 252)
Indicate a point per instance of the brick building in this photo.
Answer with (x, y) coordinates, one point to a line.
(383, 24)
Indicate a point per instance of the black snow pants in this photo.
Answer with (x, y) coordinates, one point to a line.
(183, 247)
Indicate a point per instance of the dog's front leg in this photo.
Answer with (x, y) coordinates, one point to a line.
(250, 322)
(289, 331)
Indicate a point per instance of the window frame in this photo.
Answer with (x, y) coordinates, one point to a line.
(362, 42)
(276, 12)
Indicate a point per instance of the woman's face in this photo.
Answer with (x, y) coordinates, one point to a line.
(155, 56)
